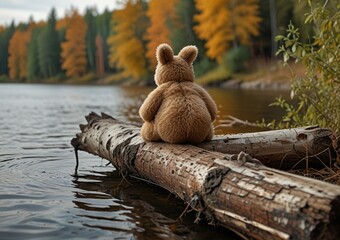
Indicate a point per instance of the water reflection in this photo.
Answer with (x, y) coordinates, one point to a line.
(40, 197)
(137, 209)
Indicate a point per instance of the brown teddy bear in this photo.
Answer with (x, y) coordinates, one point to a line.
(178, 110)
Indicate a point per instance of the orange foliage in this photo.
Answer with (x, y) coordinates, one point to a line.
(223, 23)
(14, 56)
(38, 24)
(62, 23)
(160, 12)
(126, 46)
(73, 50)
(18, 46)
(246, 20)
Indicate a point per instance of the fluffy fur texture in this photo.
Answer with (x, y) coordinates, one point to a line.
(178, 110)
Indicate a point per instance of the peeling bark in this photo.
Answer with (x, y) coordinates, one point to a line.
(246, 197)
(281, 149)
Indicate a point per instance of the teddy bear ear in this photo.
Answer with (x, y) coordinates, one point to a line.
(164, 53)
(189, 53)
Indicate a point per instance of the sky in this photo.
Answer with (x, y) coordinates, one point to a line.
(21, 10)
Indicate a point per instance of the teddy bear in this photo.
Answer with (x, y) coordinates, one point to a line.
(177, 110)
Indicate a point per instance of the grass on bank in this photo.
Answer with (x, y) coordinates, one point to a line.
(214, 76)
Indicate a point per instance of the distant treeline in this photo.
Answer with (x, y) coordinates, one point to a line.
(123, 41)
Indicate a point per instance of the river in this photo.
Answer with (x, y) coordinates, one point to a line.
(40, 198)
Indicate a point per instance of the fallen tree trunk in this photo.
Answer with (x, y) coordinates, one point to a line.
(248, 198)
(281, 149)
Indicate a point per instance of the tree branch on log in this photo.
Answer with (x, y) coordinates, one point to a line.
(232, 121)
(281, 149)
(244, 196)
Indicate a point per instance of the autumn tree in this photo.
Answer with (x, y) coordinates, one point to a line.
(127, 49)
(18, 46)
(162, 15)
(13, 59)
(224, 24)
(73, 50)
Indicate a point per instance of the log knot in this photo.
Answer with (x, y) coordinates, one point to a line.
(214, 178)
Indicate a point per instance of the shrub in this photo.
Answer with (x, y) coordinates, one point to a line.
(203, 66)
(318, 92)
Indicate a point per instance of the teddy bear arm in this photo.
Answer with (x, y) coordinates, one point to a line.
(151, 105)
(209, 102)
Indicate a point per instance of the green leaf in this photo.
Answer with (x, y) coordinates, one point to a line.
(279, 37)
(309, 19)
(294, 48)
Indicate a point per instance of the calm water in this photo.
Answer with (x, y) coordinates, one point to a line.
(41, 199)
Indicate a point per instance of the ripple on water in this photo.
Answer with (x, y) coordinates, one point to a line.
(40, 197)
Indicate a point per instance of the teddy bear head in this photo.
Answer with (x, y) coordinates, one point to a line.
(174, 68)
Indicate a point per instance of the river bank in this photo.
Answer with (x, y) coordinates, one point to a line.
(227, 84)
(260, 74)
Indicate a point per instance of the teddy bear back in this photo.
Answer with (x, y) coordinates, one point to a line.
(172, 68)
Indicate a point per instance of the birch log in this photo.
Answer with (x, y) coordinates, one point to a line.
(246, 197)
(280, 149)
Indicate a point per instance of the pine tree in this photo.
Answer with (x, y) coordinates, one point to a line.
(103, 30)
(127, 49)
(33, 68)
(183, 34)
(224, 24)
(5, 37)
(100, 67)
(90, 18)
(49, 48)
(73, 52)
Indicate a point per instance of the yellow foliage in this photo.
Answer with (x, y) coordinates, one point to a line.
(126, 46)
(223, 23)
(73, 50)
(160, 12)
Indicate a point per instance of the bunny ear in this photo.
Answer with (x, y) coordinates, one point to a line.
(164, 53)
(189, 53)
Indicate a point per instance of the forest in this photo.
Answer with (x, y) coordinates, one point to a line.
(119, 45)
